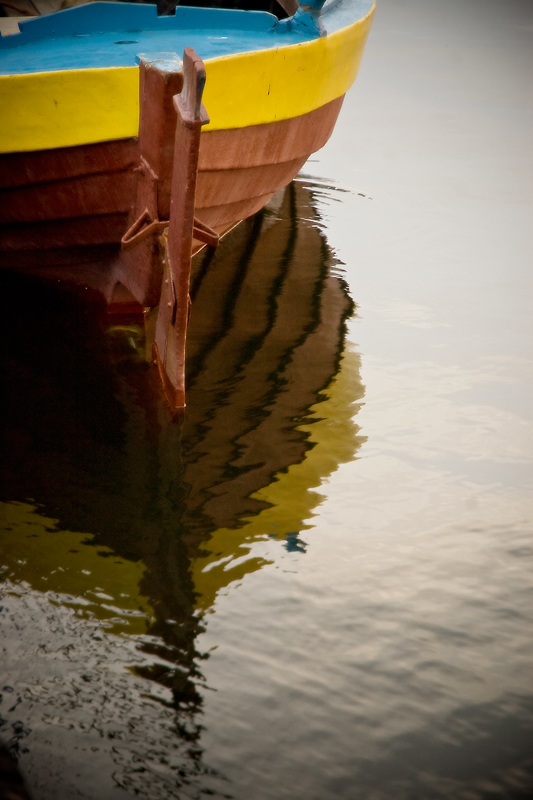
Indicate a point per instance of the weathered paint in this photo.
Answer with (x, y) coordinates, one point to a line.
(53, 109)
(61, 109)
(47, 195)
(286, 82)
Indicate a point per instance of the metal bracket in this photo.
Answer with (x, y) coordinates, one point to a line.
(143, 227)
(203, 233)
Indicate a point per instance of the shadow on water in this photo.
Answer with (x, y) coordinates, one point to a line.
(121, 514)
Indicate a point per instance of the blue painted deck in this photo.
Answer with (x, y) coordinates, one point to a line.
(113, 34)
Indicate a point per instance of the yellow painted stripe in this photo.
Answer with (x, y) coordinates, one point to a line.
(271, 85)
(60, 109)
(45, 110)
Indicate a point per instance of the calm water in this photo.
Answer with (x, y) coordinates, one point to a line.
(318, 584)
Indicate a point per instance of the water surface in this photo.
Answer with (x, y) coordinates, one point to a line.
(318, 585)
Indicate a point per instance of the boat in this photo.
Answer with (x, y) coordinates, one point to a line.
(129, 141)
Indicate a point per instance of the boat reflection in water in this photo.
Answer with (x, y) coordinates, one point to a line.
(119, 512)
(264, 354)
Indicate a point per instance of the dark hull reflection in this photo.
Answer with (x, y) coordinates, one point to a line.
(90, 446)
(265, 343)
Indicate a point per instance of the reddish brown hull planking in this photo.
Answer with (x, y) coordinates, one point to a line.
(82, 195)
(124, 217)
(23, 169)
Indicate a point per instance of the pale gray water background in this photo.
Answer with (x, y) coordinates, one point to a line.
(394, 659)
(389, 653)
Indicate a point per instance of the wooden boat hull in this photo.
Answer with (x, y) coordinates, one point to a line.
(94, 211)
(237, 170)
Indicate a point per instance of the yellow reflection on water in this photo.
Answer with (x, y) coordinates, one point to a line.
(93, 580)
(290, 498)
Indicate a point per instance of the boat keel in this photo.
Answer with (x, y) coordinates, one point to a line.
(171, 327)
